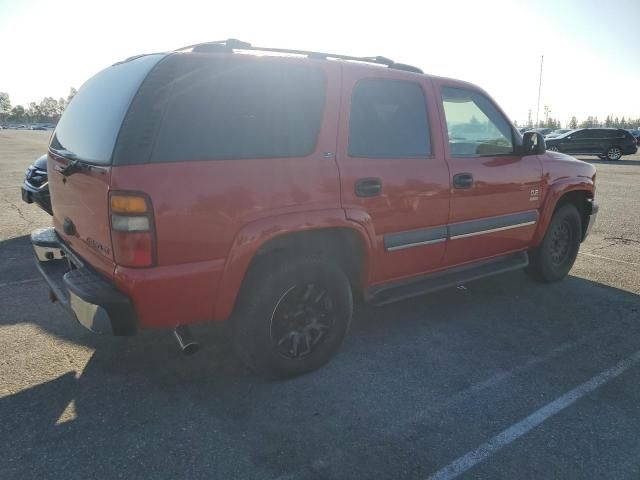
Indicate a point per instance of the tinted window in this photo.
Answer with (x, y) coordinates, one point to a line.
(91, 122)
(388, 120)
(233, 108)
(474, 125)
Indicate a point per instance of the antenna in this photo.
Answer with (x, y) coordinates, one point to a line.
(539, 88)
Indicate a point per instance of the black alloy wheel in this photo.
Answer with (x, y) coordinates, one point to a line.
(301, 320)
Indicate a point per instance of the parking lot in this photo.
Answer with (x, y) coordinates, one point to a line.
(504, 378)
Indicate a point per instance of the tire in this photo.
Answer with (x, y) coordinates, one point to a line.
(553, 148)
(613, 153)
(555, 256)
(284, 325)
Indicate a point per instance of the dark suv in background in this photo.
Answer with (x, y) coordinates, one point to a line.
(606, 143)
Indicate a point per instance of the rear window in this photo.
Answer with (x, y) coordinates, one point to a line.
(195, 107)
(89, 127)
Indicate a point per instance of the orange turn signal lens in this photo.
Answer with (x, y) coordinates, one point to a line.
(128, 204)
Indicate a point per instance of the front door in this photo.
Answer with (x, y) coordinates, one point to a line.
(495, 193)
(392, 170)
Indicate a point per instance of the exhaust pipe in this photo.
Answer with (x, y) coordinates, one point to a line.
(186, 342)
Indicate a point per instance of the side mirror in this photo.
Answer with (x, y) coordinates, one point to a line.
(533, 144)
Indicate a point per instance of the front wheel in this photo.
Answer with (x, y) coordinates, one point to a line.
(553, 148)
(292, 315)
(614, 153)
(555, 256)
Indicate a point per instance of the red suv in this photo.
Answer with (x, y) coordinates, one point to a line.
(270, 187)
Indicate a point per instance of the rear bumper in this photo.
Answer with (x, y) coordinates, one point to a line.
(96, 303)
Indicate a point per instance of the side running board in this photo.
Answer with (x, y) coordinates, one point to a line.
(393, 292)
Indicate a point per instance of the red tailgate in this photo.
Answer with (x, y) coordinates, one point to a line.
(81, 210)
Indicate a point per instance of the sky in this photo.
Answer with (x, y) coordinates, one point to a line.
(591, 48)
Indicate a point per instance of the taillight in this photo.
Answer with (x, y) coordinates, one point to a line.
(133, 233)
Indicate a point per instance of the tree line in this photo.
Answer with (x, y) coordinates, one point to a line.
(48, 110)
(589, 122)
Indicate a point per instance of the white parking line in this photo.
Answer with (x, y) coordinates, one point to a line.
(504, 438)
(19, 282)
(607, 258)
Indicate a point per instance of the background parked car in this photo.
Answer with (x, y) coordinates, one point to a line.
(606, 143)
(35, 188)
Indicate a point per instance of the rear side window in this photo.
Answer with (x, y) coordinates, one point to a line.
(90, 124)
(614, 134)
(231, 108)
(389, 120)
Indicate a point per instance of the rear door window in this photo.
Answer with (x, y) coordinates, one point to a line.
(388, 120)
(90, 124)
(236, 108)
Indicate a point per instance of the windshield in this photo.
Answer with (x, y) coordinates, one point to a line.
(566, 134)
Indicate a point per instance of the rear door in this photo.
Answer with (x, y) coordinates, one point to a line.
(601, 140)
(392, 171)
(80, 154)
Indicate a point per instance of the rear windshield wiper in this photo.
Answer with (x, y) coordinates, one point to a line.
(75, 165)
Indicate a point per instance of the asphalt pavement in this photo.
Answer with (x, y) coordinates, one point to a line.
(504, 378)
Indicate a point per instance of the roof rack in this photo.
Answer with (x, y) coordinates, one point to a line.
(233, 44)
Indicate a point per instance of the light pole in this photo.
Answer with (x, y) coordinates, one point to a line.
(539, 88)
(546, 115)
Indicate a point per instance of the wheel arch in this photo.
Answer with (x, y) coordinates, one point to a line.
(579, 194)
(320, 232)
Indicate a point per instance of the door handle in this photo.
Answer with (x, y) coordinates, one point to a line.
(462, 180)
(368, 187)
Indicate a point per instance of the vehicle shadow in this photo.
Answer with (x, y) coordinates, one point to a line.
(140, 407)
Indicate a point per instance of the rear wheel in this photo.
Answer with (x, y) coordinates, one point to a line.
(555, 256)
(614, 153)
(292, 315)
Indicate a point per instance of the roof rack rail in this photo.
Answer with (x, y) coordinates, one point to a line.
(232, 44)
